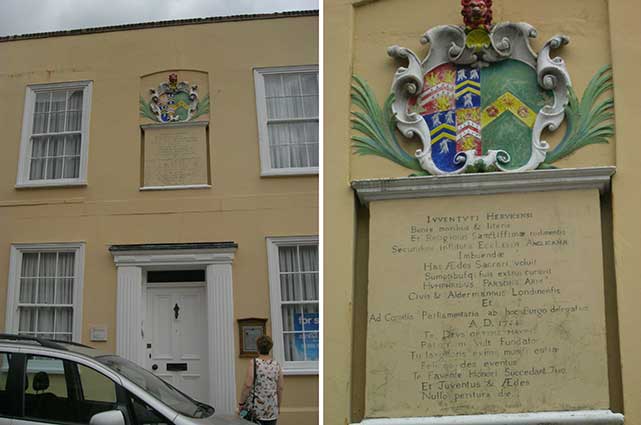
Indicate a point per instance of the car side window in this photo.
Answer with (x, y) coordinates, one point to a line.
(143, 414)
(46, 390)
(64, 391)
(8, 380)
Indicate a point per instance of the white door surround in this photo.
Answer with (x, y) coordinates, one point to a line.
(216, 258)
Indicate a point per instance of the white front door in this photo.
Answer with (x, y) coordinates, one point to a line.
(176, 337)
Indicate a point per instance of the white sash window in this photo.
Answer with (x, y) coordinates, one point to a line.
(287, 108)
(55, 135)
(294, 291)
(45, 291)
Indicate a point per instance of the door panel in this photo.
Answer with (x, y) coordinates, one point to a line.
(161, 348)
(177, 323)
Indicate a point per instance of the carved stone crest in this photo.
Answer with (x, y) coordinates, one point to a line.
(482, 96)
(173, 101)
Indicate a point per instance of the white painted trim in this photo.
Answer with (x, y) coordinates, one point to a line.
(581, 417)
(181, 257)
(177, 187)
(289, 172)
(484, 184)
(266, 169)
(15, 261)
(52, 183)
(289, 368)
(180, 124)
(221, 342)
(22, 179)
(132, 302)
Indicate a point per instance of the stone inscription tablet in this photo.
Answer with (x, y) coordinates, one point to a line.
(486, 304)
(175, 156)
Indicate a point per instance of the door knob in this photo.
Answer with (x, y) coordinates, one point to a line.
(154, 367)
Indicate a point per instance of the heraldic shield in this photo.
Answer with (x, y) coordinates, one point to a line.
(481, 98)
(480, 109)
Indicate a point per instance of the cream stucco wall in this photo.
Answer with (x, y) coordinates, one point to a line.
(356, 36)
(240, 206)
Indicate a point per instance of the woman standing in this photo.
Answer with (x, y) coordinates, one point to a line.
(268, 387)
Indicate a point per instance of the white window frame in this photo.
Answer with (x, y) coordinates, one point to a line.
(13, 292)
(273, 243)
(27, 128)
(261, 112)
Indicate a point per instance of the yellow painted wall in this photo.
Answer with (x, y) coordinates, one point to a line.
(357, 34)
(241, 206)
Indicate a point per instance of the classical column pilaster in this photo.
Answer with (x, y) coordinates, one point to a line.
(129, 314)
(220, 317)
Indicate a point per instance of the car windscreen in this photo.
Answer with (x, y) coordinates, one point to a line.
(157, 388)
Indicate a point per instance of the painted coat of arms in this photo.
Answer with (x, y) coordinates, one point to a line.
(174, 101)
(481, 100)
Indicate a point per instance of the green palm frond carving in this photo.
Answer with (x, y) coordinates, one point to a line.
(145, 111)
(377, 128)
(588, 121)
(202, 108)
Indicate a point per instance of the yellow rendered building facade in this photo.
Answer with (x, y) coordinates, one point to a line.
(158, 233)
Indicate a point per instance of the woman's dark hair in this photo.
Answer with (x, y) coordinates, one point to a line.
(264, 344)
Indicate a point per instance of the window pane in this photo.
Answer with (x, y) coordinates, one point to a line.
(28, 290)
(42, 102)
(57, 122)
(299, 156)
(273, 85)
(58, 101)
(289, 287)
(288, 259)
(48, 264)
(45, 322)
(26, 320)
(97, 388)
(54, 168)
(293, 347)
(311, 346)
(39, 149)
(47, 395)
(64, 291)
(309, 82)
(63, 320)
(56, 145)
(291, 313)
(29, 264)
(74, 116)
(46, 289)
(66, 264)
(72, 144)
(71, 167)
(309, 282)
(310, 106)
(308, 258)
(145, 414)
(279, 134)
(279, 156)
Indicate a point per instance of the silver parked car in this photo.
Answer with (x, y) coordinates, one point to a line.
(54, 382)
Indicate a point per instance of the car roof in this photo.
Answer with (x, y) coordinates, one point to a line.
(11, 340)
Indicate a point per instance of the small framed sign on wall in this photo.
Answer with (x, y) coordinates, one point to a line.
(250, 329)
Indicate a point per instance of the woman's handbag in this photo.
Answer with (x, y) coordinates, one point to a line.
(249, 411)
